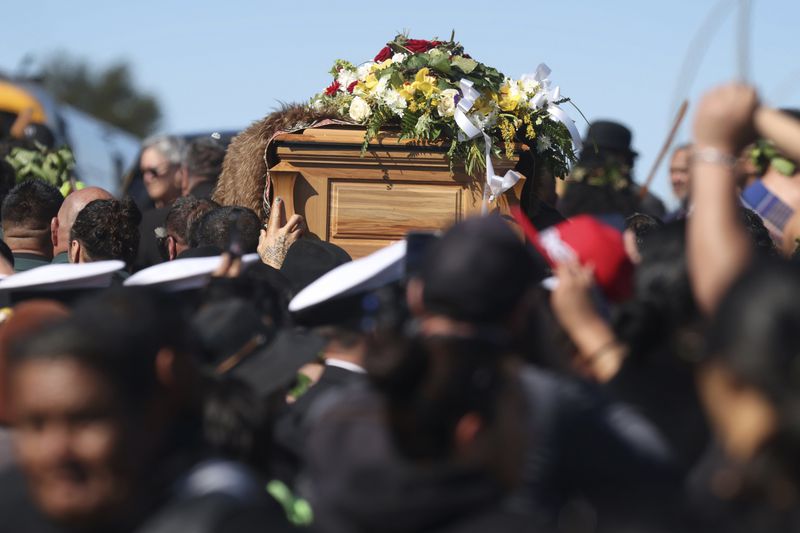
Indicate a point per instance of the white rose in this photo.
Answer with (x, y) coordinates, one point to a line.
(359, 109)
(345, 78)
(399, 58)
(364, 70)
(395, 102)
(317, 104)
(447, 103)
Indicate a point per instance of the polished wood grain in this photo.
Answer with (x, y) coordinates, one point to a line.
(364, 201)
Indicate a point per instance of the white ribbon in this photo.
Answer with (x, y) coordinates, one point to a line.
(546, 97)
(495, 185)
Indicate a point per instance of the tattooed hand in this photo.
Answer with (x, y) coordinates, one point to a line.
(279, 235)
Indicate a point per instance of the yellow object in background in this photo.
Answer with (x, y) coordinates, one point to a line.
(14, 99)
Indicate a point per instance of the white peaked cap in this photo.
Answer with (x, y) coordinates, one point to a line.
(182, 274)
(63, 276)
(372, 272)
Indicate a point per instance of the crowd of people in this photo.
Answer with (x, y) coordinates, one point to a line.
(592, 363)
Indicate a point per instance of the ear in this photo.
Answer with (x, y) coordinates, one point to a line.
(54, 231)
(414, 292)
(466, 432)
(74, 252)
(172, 247)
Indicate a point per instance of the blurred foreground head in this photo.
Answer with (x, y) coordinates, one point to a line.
(751, 383)
(94, 399)
(480, 272)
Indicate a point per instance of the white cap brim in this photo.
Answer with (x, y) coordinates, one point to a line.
(63, 276)
(376, 270)
(182, 274)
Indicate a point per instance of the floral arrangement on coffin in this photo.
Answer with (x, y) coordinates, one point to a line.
(434, 92)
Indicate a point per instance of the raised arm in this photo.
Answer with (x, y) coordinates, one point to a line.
(718, 247)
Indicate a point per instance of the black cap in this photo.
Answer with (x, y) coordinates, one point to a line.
(478, 271)
(228, 329)
(308, 259)
(274, 367)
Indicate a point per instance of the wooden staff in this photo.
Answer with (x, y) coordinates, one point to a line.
(665, 148)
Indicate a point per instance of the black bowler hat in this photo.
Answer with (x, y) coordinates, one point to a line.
(607, 135)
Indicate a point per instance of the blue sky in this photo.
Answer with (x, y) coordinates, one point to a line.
(225, 64)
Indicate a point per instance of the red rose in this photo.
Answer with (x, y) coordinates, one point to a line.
(332, 88)
(352, 86)
(384, 54)
(418, 46)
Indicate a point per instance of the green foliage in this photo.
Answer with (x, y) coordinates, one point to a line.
(764, 154)
(464, 64)
(53, 166)
(108, 94)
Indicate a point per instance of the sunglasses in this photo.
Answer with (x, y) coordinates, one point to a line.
(156, 172)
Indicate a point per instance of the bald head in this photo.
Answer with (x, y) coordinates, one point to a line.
(73, 203)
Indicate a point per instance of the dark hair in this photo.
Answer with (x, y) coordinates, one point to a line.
(218, 226)
(754, 334)
(584, 198)
(642, 225)
(108, 229)
(204, 158)
(31, 204)
(235, 421)
(663, 301)
(184, 212)
(430, 383)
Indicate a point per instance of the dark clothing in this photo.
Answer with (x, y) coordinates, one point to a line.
(661, 386)
(292, 427)
(60, 258)
(204, 189)
(584, 445)
(714, 505)
(25, 261)
(149, 253)
(359, 483)
(19, 513)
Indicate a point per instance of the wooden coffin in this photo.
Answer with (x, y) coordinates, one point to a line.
(364, 202)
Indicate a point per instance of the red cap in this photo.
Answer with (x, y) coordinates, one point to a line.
(589, 241)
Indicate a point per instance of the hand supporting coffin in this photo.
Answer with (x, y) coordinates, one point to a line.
(278, 234)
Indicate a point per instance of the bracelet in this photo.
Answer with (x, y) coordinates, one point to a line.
(713, 156)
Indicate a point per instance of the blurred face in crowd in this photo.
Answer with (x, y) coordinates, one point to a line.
(74, 440)
(161, 178)
(742, 417)
(679, 173)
